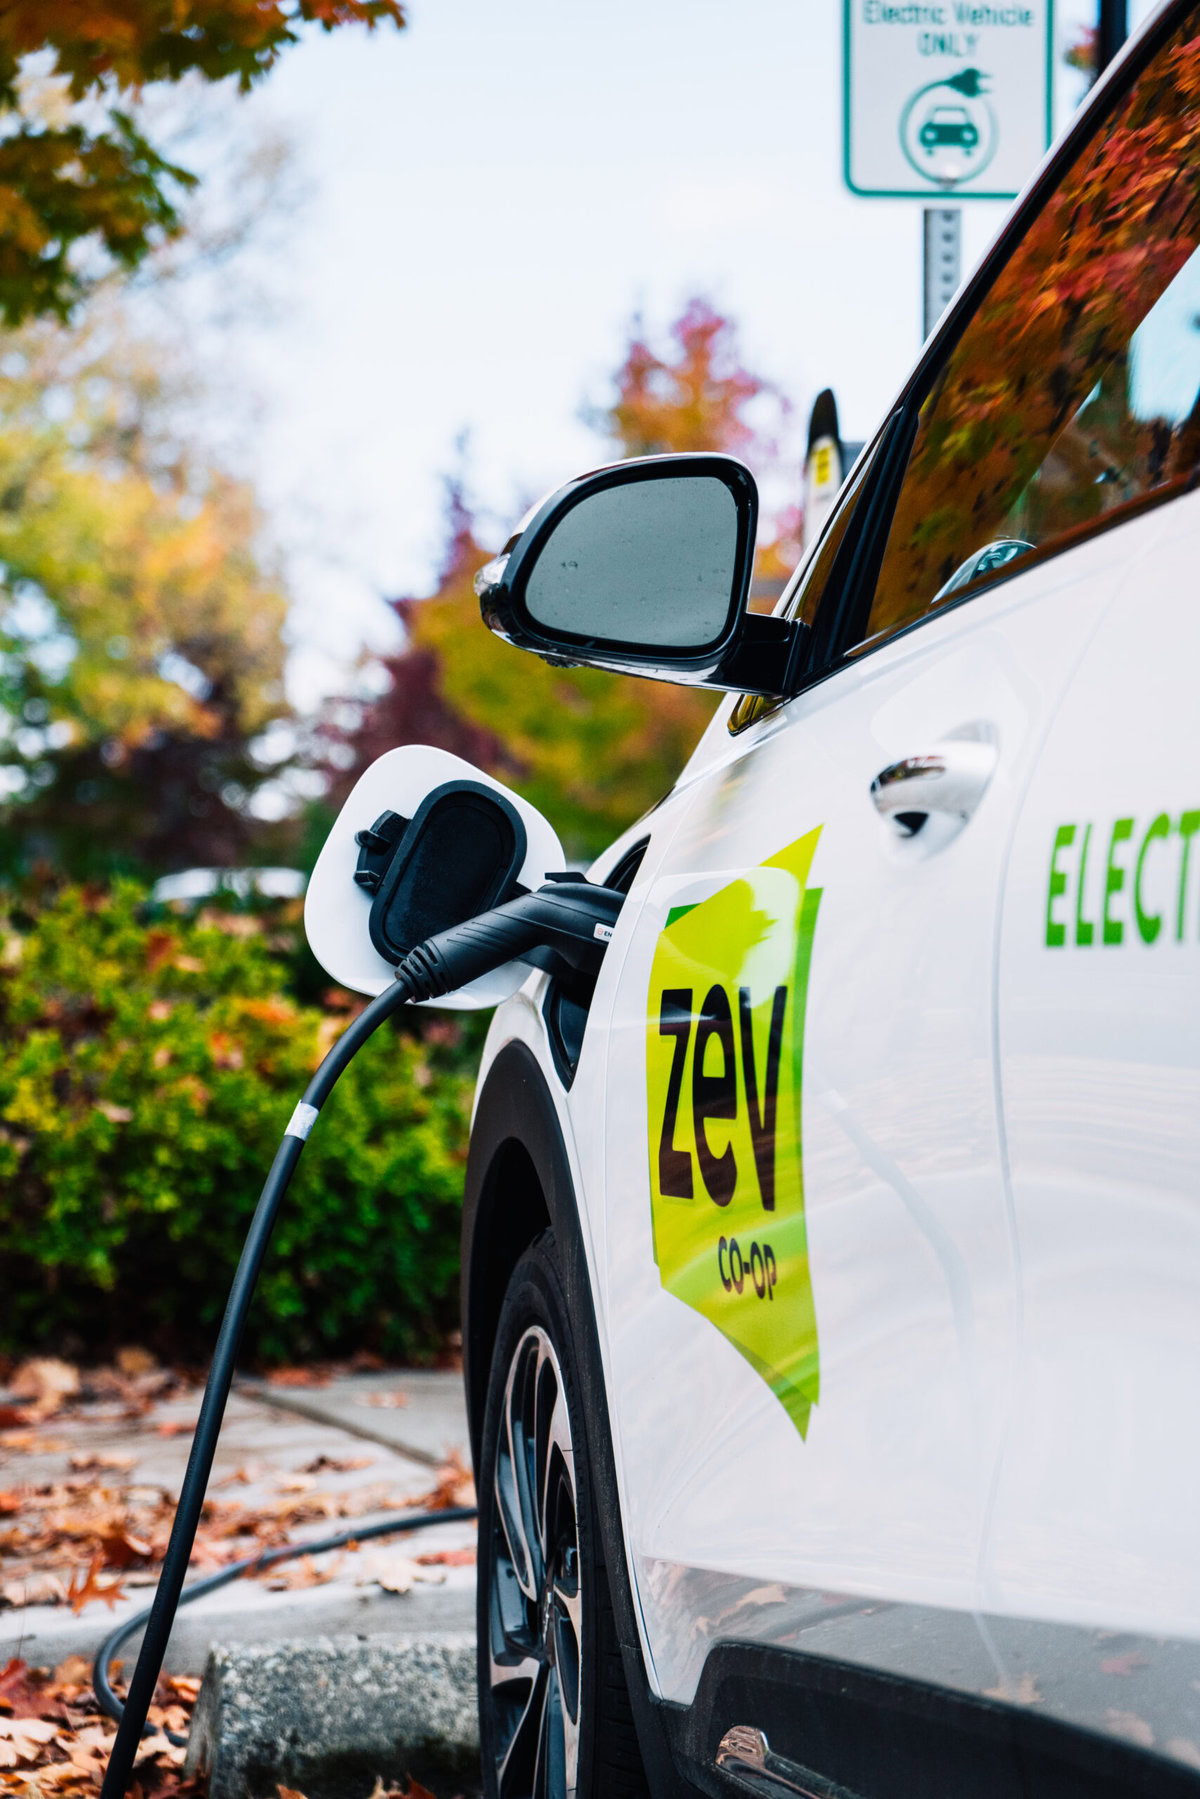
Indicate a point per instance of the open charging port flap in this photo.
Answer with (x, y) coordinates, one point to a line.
(460, 855)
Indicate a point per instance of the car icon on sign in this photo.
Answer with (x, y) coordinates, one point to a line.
(949, 125)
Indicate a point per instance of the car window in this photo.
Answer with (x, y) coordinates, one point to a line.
(1073, 396)
(811, 582)
(813, 576)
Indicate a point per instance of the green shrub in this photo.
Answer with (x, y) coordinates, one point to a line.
(148, 1063)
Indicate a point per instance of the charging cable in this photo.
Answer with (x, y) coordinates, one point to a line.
(570, 921)
(255, 1564)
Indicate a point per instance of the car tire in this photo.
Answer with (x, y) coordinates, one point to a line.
(554, 1714)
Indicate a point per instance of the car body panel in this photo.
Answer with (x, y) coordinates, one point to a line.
(893, 1557)
(1100, 1061)
(908, 1225)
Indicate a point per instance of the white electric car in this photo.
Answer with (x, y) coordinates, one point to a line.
(832, 1260)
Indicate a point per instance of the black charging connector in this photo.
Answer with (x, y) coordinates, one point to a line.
(572, 920)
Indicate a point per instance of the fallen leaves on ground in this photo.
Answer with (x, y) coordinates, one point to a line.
(55, 1741)
(389, 1398)
(299, 1377)
(30, 1442)
(69, 1541)
(22, 1739)
(46, 1387)
(412, 1789)
(290, 1576)
(93, 1534)
(89, 1586)
(36, 1588)
(1123, 1664)
(398, 1574)
(44, 1383)
(242, 1477)
(455, 1485)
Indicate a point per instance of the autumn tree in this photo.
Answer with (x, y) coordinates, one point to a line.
(1082, 53)
(693, 394)
(141, 649)
(592, 750)
(82, 187)
(141, 611)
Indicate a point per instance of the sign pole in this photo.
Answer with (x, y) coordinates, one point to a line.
(947, 104)
(942, 230)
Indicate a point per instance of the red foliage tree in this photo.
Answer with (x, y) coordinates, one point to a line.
(592, 749)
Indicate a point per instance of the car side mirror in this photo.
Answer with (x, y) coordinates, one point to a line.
(644, 568)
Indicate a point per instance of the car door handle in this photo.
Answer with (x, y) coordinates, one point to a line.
(949, 779)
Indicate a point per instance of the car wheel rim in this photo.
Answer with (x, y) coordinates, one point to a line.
(535, 1612)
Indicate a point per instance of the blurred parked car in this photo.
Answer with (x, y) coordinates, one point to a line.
(242, 883)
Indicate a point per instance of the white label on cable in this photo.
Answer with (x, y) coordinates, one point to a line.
(603, 932)
(303, 1119)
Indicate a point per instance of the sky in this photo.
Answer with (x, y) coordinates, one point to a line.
(494, 193)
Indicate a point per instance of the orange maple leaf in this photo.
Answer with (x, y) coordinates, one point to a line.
(455, 1486)
(86, 1587)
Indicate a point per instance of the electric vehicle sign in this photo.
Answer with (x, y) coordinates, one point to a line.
(724, 1065)
(947, 98)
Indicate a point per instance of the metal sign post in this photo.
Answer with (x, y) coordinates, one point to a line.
(944, 101)
(942, 227)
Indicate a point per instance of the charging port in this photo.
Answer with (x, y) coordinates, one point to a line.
(568, 1002)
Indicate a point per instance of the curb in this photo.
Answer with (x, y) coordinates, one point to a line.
(331, 1714)
(246, 1613)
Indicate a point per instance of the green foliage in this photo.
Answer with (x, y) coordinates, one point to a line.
(149, 1064)
(60, 184)
(85, 180)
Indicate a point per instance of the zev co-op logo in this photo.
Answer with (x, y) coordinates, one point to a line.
(724, 1067)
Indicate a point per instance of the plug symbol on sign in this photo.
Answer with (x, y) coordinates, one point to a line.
(948, 130)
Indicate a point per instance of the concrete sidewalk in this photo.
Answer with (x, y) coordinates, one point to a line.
(271, 1435)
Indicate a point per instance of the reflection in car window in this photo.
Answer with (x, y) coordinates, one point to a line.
(808, 591)
(808, 586)
(1073, 397)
